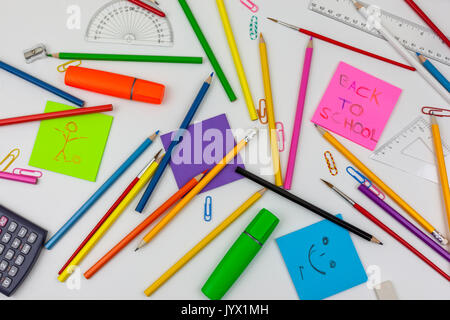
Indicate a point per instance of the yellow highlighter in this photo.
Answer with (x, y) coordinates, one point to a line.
(237, 60)
(144, 179)
(270, 112)
(441, 165)
(204, 242)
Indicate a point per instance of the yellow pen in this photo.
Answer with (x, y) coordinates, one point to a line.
(270, 112)
(144, 179)
(237, 60)
(204, 242)
(384, 187)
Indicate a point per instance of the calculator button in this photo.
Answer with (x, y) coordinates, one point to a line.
(2, 247)
(9, 254)
(32, 237)
(16, 243)
(22, 232)
(19, 260)
(3, 265)
(12, 226)
(13, 271)
(26, 248)
(6, 237)
(3, 221)
(6, 283)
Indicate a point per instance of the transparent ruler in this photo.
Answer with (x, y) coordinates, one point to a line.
(412, 151)
(412, 36)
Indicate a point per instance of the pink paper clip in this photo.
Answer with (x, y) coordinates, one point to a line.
(280, 136)
(253, 7)
(29, 173)
(262, 112)
(437, 112)
(377, 192)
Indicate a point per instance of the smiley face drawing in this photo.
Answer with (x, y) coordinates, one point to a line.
(318, 259)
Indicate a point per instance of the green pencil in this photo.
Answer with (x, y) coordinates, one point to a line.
(125, 57)
(207, 48)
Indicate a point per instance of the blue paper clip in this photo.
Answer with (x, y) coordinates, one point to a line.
(365, 181)
(208, 209)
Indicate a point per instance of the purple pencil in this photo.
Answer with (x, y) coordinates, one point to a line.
(299, 115)
(408, 225)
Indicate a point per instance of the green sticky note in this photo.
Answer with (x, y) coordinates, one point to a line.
(72, 146)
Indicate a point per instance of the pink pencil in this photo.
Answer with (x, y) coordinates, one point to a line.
(299, 115)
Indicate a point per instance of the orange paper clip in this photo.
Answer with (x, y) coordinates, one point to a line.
(262, 112)
(330, 163)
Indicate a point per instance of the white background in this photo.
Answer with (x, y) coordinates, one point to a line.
(57, 197)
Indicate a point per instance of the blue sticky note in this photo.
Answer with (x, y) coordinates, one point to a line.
(321, 260)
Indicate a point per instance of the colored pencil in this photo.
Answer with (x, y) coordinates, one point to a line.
(428, 21)
(125, 57)
(18, 177)
(387, 34)
(405, 222)
(148, 7)
(434, 71)
(54, 115)
(299, 115)
(175, 141)
(108, 213)
(146, 176)
(289, 196)
(270, 111)
(44, 85)
(237, 59)
(204, 242)
(388, 230)
(440, 159)
(384, 187)
(208, 51)
(199, 187)
(343, 45)
(143, 225)
(100, 191)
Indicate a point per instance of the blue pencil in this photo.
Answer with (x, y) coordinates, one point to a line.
(165, 161)
(106, 185)
(434, 71)
(42, 84)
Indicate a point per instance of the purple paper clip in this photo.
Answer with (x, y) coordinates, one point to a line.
(253, 7)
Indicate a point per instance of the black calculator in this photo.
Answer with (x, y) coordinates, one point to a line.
(21, 241)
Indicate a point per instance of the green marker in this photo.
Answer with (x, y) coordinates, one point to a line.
(240, 255)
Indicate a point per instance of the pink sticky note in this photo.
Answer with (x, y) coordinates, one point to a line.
(356, 105)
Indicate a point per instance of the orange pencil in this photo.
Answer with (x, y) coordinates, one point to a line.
(142, 226)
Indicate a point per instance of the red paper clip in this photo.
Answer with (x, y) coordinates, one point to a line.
(281, 136)
(437, 112)
(253, 7)
(262, 112)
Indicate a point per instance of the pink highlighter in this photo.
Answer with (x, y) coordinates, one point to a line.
(18, 177)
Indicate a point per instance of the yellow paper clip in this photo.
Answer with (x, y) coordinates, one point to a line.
(262, 112)
(63, 67)
(330, 163)
(12, 156)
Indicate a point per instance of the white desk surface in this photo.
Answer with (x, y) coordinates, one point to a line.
(57, 197)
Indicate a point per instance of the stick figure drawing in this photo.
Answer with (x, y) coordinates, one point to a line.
(70, 128)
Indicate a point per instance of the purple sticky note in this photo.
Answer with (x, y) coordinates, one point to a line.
(202, 146)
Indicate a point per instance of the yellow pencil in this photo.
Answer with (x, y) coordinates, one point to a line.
(237, 60)
(145, 178)
(199, 187)
(441, 164)
(204, 242)
(270, 112)
(371, 176)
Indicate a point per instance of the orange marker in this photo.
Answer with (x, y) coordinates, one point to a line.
(141, 227)
(114, 84)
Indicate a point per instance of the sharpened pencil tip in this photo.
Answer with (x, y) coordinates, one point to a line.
(136, 249)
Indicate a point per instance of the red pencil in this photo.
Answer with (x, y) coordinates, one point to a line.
(148, 7)
(380, 224)
(106, 216)
(428, 21)
(54, 115)
(344, 45)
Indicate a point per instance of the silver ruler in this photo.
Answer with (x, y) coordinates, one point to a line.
(412, 151)
(412, 36)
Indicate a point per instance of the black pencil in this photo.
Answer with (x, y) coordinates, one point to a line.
(307, 205)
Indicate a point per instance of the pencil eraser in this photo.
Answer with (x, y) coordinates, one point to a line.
(385, 291)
